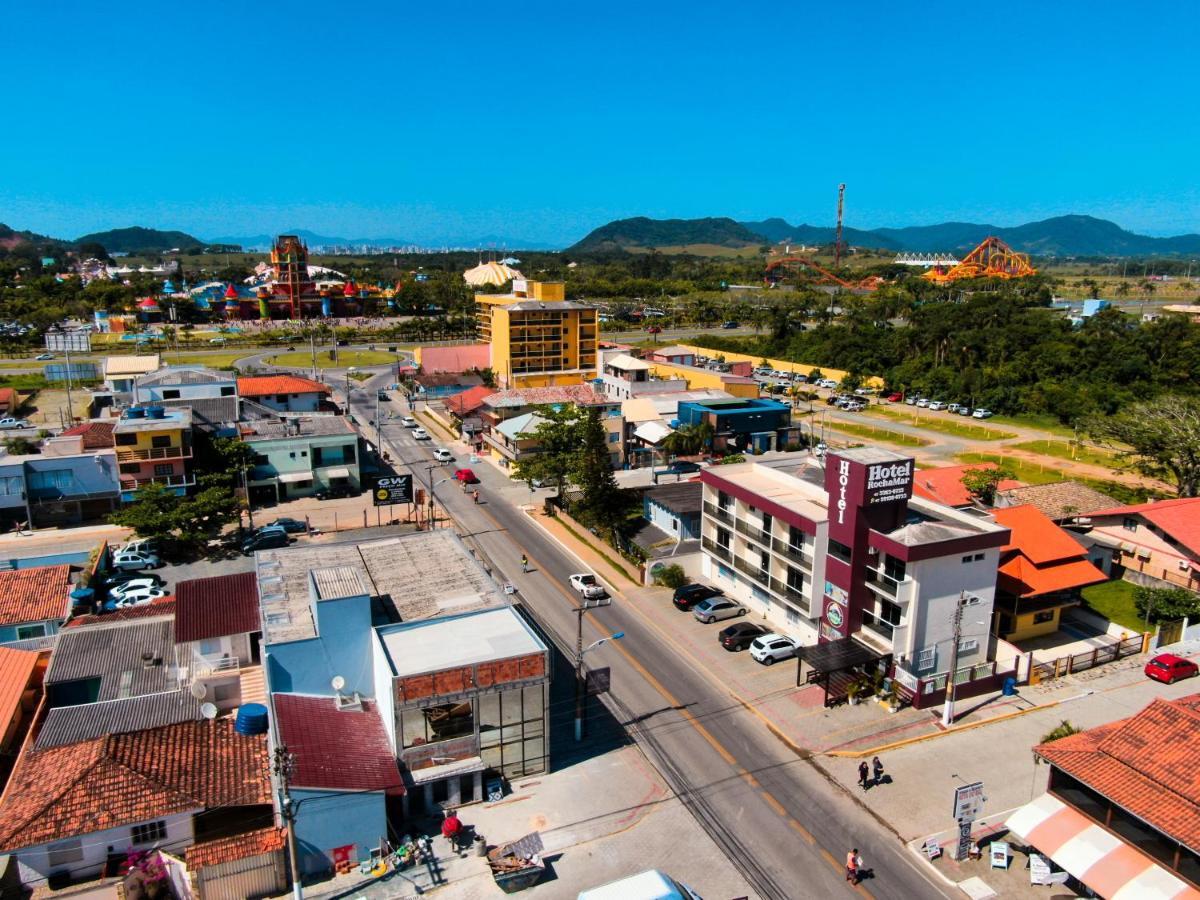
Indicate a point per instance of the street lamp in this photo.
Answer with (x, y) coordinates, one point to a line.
(964, 600)
(432, 484)
(580, 650)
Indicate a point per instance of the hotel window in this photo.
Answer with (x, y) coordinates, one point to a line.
(150, 833)
(926, 659)
(838, 550)
(723, 538)
(724, 501)
(795, 538)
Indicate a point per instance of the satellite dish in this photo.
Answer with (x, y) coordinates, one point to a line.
(338, 682)
(198, 690)
(208, 710)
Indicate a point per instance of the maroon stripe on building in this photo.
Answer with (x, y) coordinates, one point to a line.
(782, 513)
(936, 549)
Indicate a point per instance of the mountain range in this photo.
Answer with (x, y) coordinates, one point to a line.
(1059, 236)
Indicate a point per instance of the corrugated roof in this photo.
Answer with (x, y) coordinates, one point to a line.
(216, 606)
(336, 749)
(185, 375)
(303, 426)
(1180, 518)
(130, 365)
(71, 724)
(238, 846)
(16, 672)
(34, 595)
(122, 779)
(264, 385)
(209, 410)
(340, 582)
(568, 393)
(673, 351)
(627, 363)
(682, 498)
(114, 654)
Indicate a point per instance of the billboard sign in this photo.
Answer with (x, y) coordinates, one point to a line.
(888, 482)
(78, 340)
(391, 489)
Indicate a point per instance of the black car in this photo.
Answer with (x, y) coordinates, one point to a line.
(731, 324)
(739, 635)
(291, 526)
(115, 578)
(383, 396)
(688, 595)
(267, 539)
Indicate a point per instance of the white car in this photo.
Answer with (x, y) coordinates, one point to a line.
(588, 585)
(42, 357)
(133, 559)
(408, 422)
(854, 406)
(937, 405)
(132, 586)
(770, 648)
(828, 383)
(10, 422)
(441, 454)
(982, 413)
(922, 403)
(140, 596)
(420, 434)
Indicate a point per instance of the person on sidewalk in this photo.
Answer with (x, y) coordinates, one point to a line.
(877, 766)
(852, 866)
(524, 563)
(864, 773)
(475, 496)
(452, 829)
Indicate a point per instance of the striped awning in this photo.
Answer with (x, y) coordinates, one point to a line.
(1098, 858)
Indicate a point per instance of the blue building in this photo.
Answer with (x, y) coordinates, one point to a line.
(743, 425)
(675, 509)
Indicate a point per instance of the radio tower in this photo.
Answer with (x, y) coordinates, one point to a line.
(837, 241)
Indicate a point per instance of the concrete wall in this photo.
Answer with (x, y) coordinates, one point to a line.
(293, 402)
(382, 673)
(783, 365)
(329, 819)
(931, 617)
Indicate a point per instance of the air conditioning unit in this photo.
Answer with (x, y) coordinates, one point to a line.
(971, 600)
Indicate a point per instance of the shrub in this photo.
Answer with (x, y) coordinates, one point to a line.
(671, 576)
(1165, 604)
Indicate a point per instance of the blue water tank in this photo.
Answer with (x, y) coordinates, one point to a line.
(135, 412)
(1010, 686)
(251, 719)
(156, 412)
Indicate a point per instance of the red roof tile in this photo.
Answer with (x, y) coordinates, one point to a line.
(456, 359)
(944, 484)
(16, 672)
(568, 393)
(121, 779)
(1180, 518)
(1144, 764)
(163, 606)
(217, 606)
(1040, 558)
(8, 399)
(468, 401)
(333, 748)
(1035, 536)
(238, 846)
(266, 385)
(34, 595)
(96, 435)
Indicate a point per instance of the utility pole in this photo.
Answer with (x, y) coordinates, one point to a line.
(580, 650)
(948, 711)
(837, 241)
(284, 766)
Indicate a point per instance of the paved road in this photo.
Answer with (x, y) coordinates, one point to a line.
(775, 815)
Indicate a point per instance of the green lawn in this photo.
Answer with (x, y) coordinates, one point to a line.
(212, 360)
(875, 433)
(302, 359)
(1036, 420)
(948, 425)
(1064, 450)
(1114, 601)
(1028, 472)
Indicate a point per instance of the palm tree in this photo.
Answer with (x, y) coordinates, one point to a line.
(688, 440)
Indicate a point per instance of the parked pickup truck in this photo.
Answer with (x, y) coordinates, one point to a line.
(10, 422)
(588, 586)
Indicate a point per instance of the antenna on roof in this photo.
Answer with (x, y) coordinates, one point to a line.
(208, 710)
(338, 682)
(198, 690)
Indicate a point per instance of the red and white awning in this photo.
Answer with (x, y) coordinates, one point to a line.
(1102, 861)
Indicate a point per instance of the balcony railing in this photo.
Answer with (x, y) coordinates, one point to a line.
(208, 666)
(132, 484)
(752, 531)
(720, 551)
(885, 583)
(755, 572)
(716, 512)
(876, 625)
(791, 552)
(154, 453)
(789, 592)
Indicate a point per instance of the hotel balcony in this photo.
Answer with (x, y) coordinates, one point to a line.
(898, 589)
(720, 551)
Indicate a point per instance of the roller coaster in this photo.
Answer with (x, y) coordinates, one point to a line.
(991, 259)
(802, 264)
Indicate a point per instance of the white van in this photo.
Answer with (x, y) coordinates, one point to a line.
(651, 885)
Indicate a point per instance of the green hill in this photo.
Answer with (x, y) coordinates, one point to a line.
(141, 240)
(644, 233)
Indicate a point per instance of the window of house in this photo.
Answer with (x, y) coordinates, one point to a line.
(281, 398)
(348, 453)
(675, 524)
(838, 550)
(227, 391)
(124, 440)
(52, 479)
(150, 833)
(261, 459)
(1041, 618)
(160, 440)
(613, 437)
(967, 558)
(164, 469)
(926, 659)
(130, 468)
(170, 394)
(65, 852)
(11, 486)
(1129, 524)
(968, 646)
(25, 632)
(978, 557)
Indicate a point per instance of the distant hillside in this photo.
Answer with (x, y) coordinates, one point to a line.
(9, 238)
(643, 232)
(141, 240)
(777, 231)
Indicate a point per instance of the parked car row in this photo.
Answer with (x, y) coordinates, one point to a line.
(961, 409)
(709, 604)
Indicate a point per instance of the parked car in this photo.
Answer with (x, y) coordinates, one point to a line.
(441, 454)
(587, 585)
(117, 579)
(653, 329)
(964, 410)
(420, 434)
(140, 545)
(739, 635)
(688, 595)
(135, 583)
(895, 397)
(129, 560)
(771, 648)
(982, 413)
(291, 526)
(922, 403)
(466, 476)
(408, 422)
(138, 596)
(797, 378)
(828, 383)
(953, 407)
(716, 608)
(334, 492)
(854, 406)
(10, 422)
(383, 396)
(42, 357)
(910, 401)
(731, 324)
(1169, 668)
(937, 405)
(265, 539)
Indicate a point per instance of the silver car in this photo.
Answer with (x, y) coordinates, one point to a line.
(716, 608)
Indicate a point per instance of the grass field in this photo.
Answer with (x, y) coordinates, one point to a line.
(947, 425)
(1030, 473)
(303, 359)
(212, 360)
(875, 433)
(1038, 421)
(1063, 450)
(1114, 601)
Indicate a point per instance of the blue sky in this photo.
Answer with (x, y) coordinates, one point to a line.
(539, 121)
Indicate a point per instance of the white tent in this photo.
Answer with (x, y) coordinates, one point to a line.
(490, 273)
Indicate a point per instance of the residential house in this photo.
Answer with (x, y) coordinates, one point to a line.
(122, 372)
(675, 509)
(299, 456)
(48, 489)
(217, 636)
(674, 355)
(944, 484)
(743, 425)
(284, 393)
(622, 377)
(515, 439)
(464, 409)
(1041, 572)
(537, 337)
(838, 551)
(154, 445)
(456, 360)
(697, 378)
(212, 396)
(1121, 810)
(1063, 502)
(34, 603)
(21, 673)
(502, 405)
(72, 811)
(1155, 544)
(86, 436)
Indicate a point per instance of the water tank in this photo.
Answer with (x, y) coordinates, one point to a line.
(155, 412)
(135, 412)
(251, 719)
(83, 596)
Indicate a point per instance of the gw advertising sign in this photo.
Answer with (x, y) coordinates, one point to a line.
(391, 489)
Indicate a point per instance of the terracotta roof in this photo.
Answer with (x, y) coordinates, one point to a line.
(238, 846)
(456, 359)
(163, 606)
(1179, 518)
(1040, 558)
(675, 350)
(569, 393)
(96, 435)
(944, 485)
(1059, 499)
(16, 671)
(336, 749)
(468, 401)
(1144, 764)
(126, 778)
(8, 398)
(266, 385)
(217, 606)
(34, 595)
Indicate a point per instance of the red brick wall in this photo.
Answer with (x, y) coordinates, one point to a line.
(449, 682)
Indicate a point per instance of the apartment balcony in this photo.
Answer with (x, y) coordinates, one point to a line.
(898, 589)
(789, 592)
(791, 552)
(721, 515)
(753, 571)
(753, 532)
(180, 481)
(720, 551)
(154, 453)
(213, 666)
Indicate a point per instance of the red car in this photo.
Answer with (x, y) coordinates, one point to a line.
(466, 476)
(895, 398)
(653, 329)
(1169, 668)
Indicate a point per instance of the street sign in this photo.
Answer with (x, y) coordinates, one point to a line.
(968, 801)
(598, 681)
(392, 489)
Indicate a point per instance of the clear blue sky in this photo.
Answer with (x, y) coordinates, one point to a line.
(539, 121)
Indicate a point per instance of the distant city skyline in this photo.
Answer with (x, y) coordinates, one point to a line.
(536, 124)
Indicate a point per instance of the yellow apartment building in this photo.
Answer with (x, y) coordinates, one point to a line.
(538, 337)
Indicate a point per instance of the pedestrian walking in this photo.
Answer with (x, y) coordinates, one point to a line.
(524, 563)
(864, 772)
(852, 866)
(475, 496)
(877, 766)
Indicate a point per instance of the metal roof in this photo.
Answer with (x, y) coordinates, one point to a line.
(71, 724)
(131, 658)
